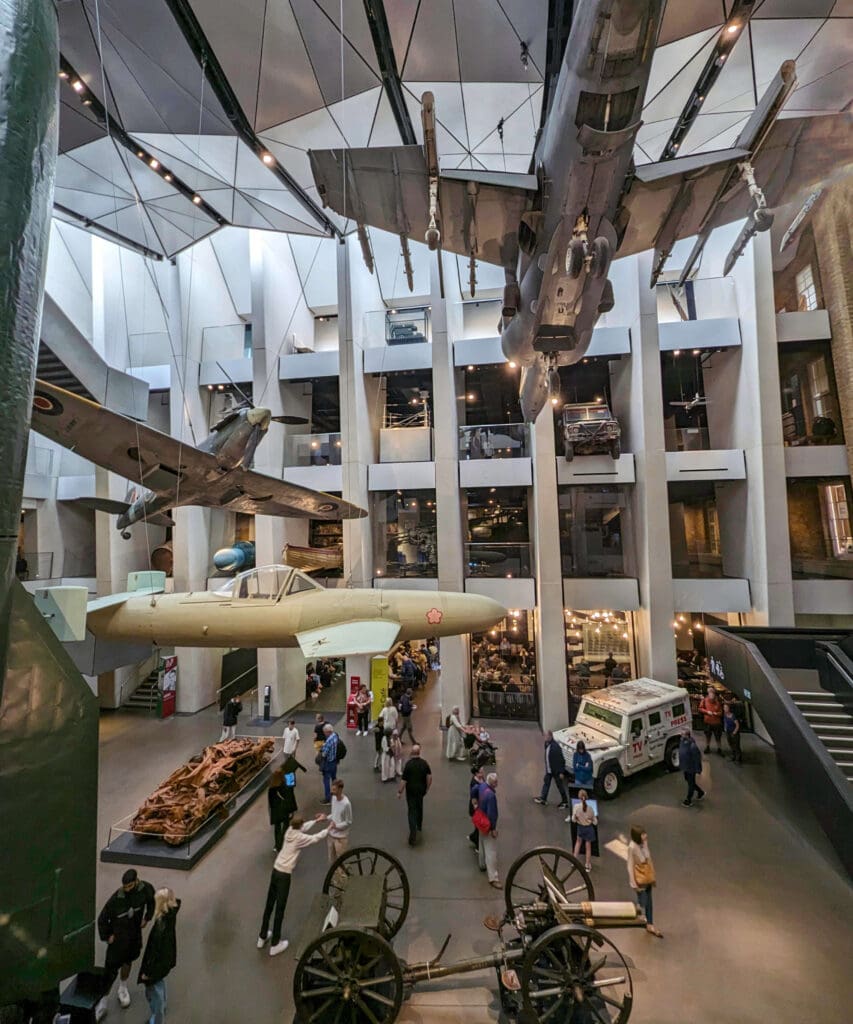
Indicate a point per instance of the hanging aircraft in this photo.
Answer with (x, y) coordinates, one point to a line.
(556, 230)
(273, 606)
(171, 473)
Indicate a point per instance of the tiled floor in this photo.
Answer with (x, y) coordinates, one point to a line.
(755, 910)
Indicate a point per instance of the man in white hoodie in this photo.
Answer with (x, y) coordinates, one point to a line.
(296, 838)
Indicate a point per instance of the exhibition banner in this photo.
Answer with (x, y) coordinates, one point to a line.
(378, 684)
(168, 685)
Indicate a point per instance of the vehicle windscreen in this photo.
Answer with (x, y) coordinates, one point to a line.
(606, 719)
(586, 412)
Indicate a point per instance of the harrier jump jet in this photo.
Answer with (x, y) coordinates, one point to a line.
(170, 473)
(556, 230)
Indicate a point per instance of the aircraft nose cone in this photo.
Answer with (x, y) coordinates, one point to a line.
(473, 613)
(259, 417)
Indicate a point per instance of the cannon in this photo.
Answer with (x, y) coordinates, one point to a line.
(555, 965)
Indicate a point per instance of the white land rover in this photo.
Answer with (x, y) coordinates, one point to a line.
(628, 727)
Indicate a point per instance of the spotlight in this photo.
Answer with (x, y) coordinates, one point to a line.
(63, 74)
(153, 164)
(675, 624)
(733, 28)
(168, 177)
(676, 352)
(696, 351)
(512, 364)
(470, 368)
(337, 444)
(220, 387)
(268, 159)
(555, 400)
(471, 396)
(87, 103)
(140, 154)
(378, 572)
(197, 200)
(210, 387)
(77, 85)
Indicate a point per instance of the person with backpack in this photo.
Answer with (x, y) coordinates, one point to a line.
(281, 797)
(406, 707)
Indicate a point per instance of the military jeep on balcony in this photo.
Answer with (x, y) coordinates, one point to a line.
(590, 429)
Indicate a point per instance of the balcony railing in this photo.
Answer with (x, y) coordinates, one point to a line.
(497, 560)
(700, 564)
(687, 439)
(226, 341)
(839, 568)
(312, 450)
(494, 441)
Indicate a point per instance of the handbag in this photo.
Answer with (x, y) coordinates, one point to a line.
(644, 874)
(319, 759)
(481, 821)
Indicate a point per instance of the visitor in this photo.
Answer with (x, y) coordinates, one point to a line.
(585, 820)
(229, 719)
(319, 727)
(415, 782)
(340, 821)
(690, 761)
(290, 737)
(281, 798)
(455, 750)
(295, 840)
(641, 875)
(161, 953)
(487, 802)
(478, 777)
(120, 924)
(311, 684)
(555, 769)
(328, 761)
(609, 667)
(389, 765)
(406, 707)
(731, 727)
(711, 710)
(582, 766)
(362, 710)
(378, 736)
(389, 715)
(397, 752)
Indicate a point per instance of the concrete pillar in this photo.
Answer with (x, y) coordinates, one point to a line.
(638, 403)
(744, 411)
(446, 318)
(545, 534)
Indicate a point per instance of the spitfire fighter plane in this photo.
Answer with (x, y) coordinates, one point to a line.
(556, 230)
(170, 473)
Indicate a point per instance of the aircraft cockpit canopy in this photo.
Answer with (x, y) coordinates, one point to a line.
(268, 583)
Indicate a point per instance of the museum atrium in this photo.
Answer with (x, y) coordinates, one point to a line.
(491, 355)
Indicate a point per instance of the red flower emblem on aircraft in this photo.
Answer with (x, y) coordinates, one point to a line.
(434, 616)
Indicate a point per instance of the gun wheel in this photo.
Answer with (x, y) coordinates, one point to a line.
(525, 882)
(574, 974)
(370, 860)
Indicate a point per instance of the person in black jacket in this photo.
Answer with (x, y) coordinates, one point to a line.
(161, 953)
(120, 925)
(229, 719)
(281, 797)
(690, 762)
(555, 768)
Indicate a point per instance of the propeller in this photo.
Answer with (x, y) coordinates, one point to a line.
(291, 421)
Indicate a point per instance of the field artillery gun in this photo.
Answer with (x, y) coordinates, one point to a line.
(556, 965)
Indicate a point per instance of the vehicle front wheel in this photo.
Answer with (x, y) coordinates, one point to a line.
(570, 451)
(615, 450)
(670, 756)
(609, 781)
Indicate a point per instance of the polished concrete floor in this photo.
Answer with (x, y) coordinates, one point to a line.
(755, 909)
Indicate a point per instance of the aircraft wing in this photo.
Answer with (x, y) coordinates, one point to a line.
(678, 198)
(365, 636)
(387, 187)
(164, 465)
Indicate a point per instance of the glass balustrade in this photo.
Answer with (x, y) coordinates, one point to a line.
(226, 341)
(494, 441)
(703, 298)
(312, 450)
(497, 560)
(687, 439)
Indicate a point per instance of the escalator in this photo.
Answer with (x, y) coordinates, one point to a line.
(799, 684)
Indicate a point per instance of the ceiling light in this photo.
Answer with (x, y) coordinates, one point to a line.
(512, 364)
(471, 396)
(378, 572)
(197, 200)
(140, 154)
(337, 444)
(696, 351)
(677, 352)
(624, 636)
(87, 102)
(210, 387)
(392, 311)
(63, 74)
(153, 164)
(221, 387)
(268, 159)
(733, 28)
(675, 624)
(555, 400)
(168, 177)
(77, 85)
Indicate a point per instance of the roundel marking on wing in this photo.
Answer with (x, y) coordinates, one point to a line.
(327, 506)
(46, 405)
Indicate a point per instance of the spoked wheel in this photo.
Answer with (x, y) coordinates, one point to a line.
(525, 882)
(574, 975)
(370, 860)
(348, 976)
(575, 256)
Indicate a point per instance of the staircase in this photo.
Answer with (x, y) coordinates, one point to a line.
(53, 371)
(144, 697)
(831, 717)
